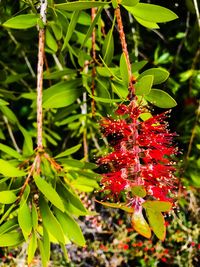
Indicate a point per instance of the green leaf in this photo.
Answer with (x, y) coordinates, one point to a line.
(70, 197)
(8, 226)
(70, 228)
(143, 85)
(139, 191)
(22, 21)
(120, 89)
(50, 222)
(160, 75)
(7, 197)
(105, 100)
(9, 114)
(129, 2)
(71, 28)
(114, 3)
(124, 70)
(157, 223)
(74, 163)
(57, 30)
(34, 216)
(152, 13)
(50, 41)
(11, 239)
(3, 102)
(160, 99)
(49, 192)
(9, 170)
(108, 47)
(42, 253)
(159, 206)
(58, 74)
(82, 183)
(79, 5)
(27, 139)
(25, 220)
(121, 206)
(135, 67)
(140, 225)
(61, 94)
(10, 151)
(69, 151)
(94, 22)
(147, 24)
(32, 246)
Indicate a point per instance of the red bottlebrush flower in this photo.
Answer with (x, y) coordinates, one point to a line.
(142, 154)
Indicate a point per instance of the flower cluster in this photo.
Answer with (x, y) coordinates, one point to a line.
(142, 153)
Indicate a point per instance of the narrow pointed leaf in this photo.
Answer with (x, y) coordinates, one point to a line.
(9, 170)
(116, 206)
(124, 70)
(25, 219)
(10, 151)
(50, 222)
(79, 5)
(32, 246)
(9, 225)
(108, 47)
(69, 151)
(71, 28)
(70, 228)
(49, 192)
(11, 239)
(22, 21)
(7, 197)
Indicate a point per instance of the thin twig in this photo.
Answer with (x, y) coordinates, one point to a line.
(93, 14)
(31, 171)
(11, 134)
(41, 44)
(125, 50)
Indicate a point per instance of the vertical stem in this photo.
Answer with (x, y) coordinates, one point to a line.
(93, 14)
(41, 44)
(125, 50)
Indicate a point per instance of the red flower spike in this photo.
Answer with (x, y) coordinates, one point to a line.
(142, 154)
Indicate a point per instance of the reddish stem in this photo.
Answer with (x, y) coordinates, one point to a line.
(125, 50)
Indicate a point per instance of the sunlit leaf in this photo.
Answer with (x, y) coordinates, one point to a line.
(50, 222)
(157, 222)
(152, 13)
(156, 205)
(22, 21)
(49, 192)
(140, 225)
(7, 169)
(160, 99)
(7, 197)
(70, 228)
